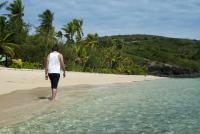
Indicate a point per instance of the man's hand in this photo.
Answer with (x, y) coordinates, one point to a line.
(46, 77)
(63, 74)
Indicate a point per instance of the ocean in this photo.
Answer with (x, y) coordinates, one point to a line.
(167, 106)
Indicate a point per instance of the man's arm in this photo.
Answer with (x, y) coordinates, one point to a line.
(62, 64)
(46, 67)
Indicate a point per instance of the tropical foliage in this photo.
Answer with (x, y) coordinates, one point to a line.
(6, 47)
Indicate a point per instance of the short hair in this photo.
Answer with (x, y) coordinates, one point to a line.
(55, 48)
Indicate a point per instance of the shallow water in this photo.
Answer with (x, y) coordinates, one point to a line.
(170, 106)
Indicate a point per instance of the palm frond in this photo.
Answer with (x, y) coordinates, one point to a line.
(8, 50)
(12, 45)
(7, 36)
(16, 9)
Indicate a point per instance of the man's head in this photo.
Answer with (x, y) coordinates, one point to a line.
(55, 48)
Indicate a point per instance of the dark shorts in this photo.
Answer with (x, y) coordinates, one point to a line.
(54, 78)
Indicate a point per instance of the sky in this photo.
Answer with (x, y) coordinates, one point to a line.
(172, 18)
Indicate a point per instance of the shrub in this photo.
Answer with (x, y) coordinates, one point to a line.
(18, 63)
(29, 65)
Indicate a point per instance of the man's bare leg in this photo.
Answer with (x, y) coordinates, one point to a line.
(51, 94)
(54, 91)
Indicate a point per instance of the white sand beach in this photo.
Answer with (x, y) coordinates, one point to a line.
(26, 79)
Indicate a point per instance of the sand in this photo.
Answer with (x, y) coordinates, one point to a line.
(21, 105)
(25, 79)
(24, 93)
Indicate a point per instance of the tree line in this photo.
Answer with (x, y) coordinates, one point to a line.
(81, 52)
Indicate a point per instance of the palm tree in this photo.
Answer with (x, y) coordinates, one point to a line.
(46, 19)
(16, 24)
(92, 40)
(69, 30)
(73, 31)
(5, 35)
(6, 47)
(46, 28)
(79, 31)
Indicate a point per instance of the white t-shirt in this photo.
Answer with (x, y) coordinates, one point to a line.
(54, 63)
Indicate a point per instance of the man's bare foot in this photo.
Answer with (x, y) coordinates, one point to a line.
(50, 98)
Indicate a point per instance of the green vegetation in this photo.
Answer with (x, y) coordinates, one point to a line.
(161, 55)
(122, 54)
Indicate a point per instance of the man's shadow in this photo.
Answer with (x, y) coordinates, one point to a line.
(44, 97)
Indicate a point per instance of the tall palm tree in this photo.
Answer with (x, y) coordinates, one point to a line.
(6, 47)
(69, 30)
(46, 28)
(79, 31)
(46, 19)
(16, 23)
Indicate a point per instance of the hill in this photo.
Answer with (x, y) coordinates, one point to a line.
(162, 55)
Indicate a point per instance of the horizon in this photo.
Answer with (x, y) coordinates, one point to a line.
(174, 19)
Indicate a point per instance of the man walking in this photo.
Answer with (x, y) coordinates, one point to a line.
(54, 63)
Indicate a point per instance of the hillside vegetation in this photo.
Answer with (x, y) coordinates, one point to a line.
(162, 55)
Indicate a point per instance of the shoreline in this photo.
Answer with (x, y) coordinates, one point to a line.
(24, 93)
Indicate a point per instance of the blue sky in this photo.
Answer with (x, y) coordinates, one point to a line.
(173, 18)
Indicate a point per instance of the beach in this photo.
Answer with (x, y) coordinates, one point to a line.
(27, 79)
(25, 92)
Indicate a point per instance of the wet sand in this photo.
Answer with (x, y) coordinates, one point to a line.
(20, 105)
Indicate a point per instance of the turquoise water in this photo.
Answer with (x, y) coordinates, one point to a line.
(170, 106)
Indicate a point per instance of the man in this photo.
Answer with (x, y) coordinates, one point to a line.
(54, 63)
